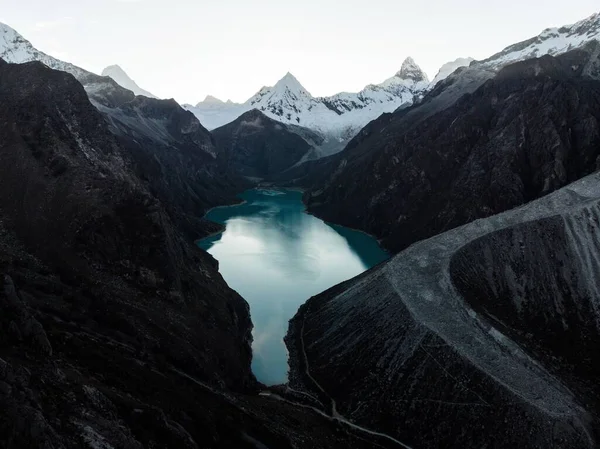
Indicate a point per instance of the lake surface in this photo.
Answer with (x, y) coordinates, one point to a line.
(277, 256)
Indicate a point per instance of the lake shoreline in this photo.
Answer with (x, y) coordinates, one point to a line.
(277, 255)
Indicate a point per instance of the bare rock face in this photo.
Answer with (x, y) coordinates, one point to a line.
(486, 333)
(531, 129)
(175, 156)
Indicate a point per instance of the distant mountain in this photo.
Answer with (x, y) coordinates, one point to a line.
(210, 101)
(14, 48)
(337, 118)
(119, 75)
(449, 68)
(340, 117)
(255, 145)
(214, 113)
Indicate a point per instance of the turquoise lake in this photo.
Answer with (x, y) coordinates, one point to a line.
(277, 256)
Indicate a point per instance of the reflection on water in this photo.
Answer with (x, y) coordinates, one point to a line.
(277, 256)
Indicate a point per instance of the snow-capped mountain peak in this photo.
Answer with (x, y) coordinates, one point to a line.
(119, 75)
(337, 118)
(286, 100)
(14, 48)
(290, 84)
(411, 71)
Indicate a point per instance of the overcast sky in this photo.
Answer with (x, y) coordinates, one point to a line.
(230, 48)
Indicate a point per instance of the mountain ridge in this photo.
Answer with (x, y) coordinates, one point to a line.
(354, 110)
(337, 118)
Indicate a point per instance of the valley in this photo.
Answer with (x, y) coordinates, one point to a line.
(414, 265)
(276, 256)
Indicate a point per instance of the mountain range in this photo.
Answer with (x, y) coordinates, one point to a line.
(337, 118)
(482, 330)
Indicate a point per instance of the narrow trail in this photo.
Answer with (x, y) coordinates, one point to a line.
(335, 416)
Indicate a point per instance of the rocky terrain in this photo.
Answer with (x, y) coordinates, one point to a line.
(493, 325)
(532, 128)
(117, 332)
(257, 146)
(176, 156)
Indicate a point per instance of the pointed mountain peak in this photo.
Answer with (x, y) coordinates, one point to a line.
(120, 76)
(212, 100)
(4, 29)
(411, 71)
(14, 47)
(113, 69)
(8, 34)
(290, 83)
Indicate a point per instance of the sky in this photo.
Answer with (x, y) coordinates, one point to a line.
(186, 49)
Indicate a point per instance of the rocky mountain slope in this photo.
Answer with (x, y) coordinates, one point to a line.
(337, 118)
(466, 340)
(176, 156)
(173, 153)
(531, 129)
(119, 75)
(116, 331)
(256, 146)
(96, 261)
(14, 48)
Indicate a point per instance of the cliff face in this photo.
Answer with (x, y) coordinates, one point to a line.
(488, 332)
(530, 130)
(175, 156)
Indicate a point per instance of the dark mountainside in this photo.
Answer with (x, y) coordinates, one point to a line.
(485, 336)
(171, 151)
(257, 146)
(116, 331)
(530, 130)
